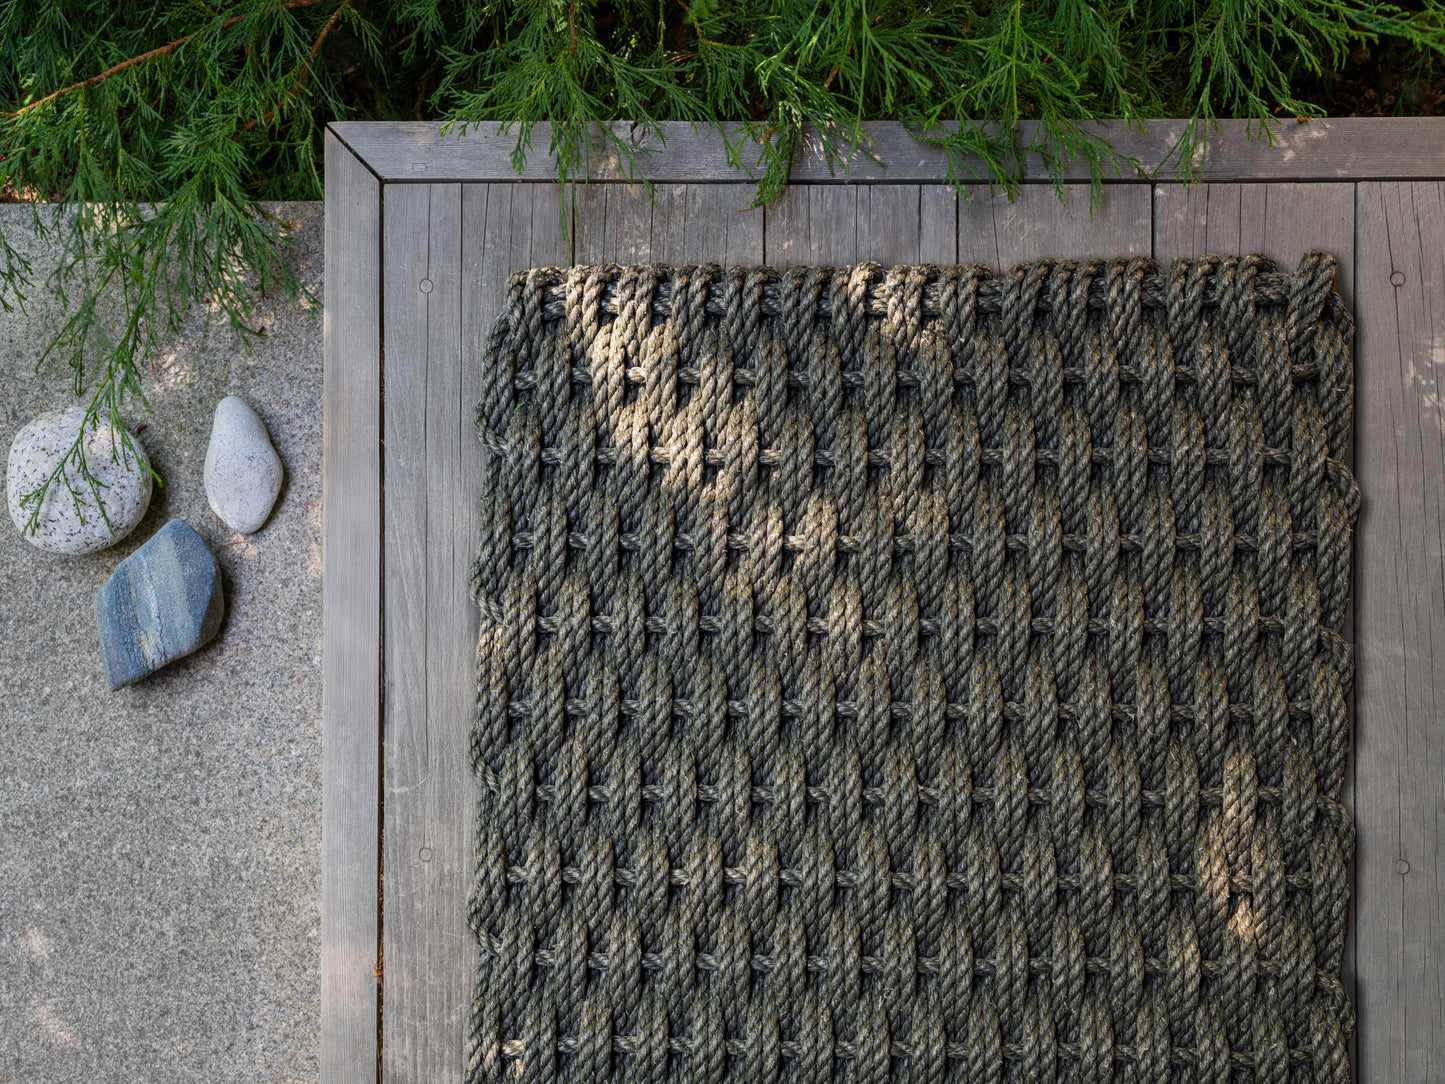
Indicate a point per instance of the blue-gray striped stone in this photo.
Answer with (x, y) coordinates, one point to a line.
(161, 603)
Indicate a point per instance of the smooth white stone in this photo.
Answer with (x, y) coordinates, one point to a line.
(73, 522)
(243, 471)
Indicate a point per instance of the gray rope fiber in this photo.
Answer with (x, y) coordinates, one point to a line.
(914, 675)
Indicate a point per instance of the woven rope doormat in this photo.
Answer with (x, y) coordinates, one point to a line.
(914, 675)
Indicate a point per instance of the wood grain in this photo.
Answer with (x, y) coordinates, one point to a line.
(1379, 148)
(448, 250)
(680, 224)
(998, 232)
(1399, 733)
(615, 220)
(889, 223)
(811, 224)
(706, 223)
(938, 224)
(885, 224)
(422, 937)
(351, 607)
(820, 224)
(1281, 221)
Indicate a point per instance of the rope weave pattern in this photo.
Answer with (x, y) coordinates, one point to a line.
(914, 675)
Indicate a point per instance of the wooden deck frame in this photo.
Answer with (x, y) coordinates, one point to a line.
(421, 232)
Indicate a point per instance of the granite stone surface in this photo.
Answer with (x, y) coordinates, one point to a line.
(70, 519)
(160, 604)
(160, 846)
(243, 472)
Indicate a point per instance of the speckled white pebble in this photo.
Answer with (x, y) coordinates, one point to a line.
(243, 471)
(124, 476)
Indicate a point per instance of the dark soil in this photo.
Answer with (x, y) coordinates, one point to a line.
(1383, 80)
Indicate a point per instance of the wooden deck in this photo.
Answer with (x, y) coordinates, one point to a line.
(421, 234)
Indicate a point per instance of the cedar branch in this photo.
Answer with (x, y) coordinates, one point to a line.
(265, 118)
(163, 50)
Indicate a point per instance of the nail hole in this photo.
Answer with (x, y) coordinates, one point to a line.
(1397, 279)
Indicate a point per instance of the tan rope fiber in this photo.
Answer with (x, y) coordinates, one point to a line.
(914, 675)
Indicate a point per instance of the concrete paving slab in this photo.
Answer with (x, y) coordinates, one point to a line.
(160, 846)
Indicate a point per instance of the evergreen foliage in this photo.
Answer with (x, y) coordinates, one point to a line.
(160, 127)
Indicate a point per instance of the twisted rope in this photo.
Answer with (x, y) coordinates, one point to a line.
(915, 674)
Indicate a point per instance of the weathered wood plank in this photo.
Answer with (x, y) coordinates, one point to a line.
(523, 229)
(889, 226)
(449, 251)
(789, 238)
(706, 223)
(1281, 221)
(421, 299)
(439, 806)
(977, 240)
(998, 233)
(908, 224)
(616, 220)
(351, 585)
(820, 224)
(832, 224)
(681, 224)
(667, 227)
(1399, 732)
(938, 224)
(1320, 150)
(785, 228)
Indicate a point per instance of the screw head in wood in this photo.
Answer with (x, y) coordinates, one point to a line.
(1402, 867)
(425, 286)
(1397, 279)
